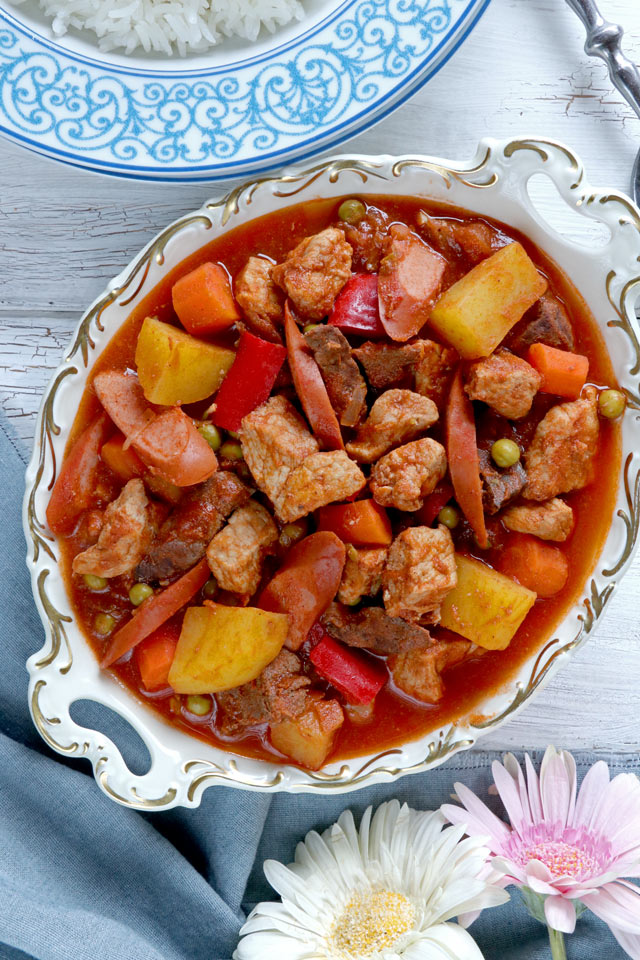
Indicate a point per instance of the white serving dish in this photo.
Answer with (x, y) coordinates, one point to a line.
(493, 184)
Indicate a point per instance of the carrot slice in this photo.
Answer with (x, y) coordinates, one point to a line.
(563, 373)
(125, 463)
(535, 565)
(154, 655)
(462, 454)
(203, 300)
(310, 386)
(155, 611)
(74, 488)
(364, 523)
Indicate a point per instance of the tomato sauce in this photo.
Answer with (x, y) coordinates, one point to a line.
(396, 718)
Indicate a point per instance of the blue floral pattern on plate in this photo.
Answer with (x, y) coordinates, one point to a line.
(232, 120)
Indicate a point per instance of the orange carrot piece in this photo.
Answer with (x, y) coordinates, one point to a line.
(563, 373)
(462, 453)
(155, 611)
(125, 463)
(74, 488)
(310, 387)
(154, 655)
(363, 523)
(203, 300)
(536, 565)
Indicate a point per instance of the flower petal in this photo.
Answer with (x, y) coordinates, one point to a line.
(271, 945)
(620, 812)
(533, 790)
(510, 796)
(629, 942)
(557, 787)
(478, 817)
(445, 941)
(560, 914)
(592, 792)
(618, 904)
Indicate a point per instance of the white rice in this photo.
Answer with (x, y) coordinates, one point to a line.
(168, 26)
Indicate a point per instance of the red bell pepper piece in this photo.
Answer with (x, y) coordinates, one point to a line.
(310, 386)
(356, 308)
(154, 655)
(358, 678)
(249, 381)
(434, 503)
(155, 611)
(363, 523)
(74, 489)
(462, 454)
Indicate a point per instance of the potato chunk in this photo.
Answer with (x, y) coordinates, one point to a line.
(485, 606)
(176, 368)
(477, 312)
(223, 647)
(308, 739)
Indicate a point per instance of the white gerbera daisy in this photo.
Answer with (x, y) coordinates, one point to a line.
(387, 891)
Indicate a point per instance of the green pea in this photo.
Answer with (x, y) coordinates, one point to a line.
(199, 705)
(104, 624)
(352, 603)
(139, 593)
(352, 553)
(352, 210)
(450, 517)
(210, 589)
(611, 404)
(505, 452)
(231, 449)
(211, 434)
(310, 326)
(292, 532)
(93, 582)
(232, 433)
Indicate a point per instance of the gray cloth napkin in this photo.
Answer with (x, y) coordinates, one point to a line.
(82, 878)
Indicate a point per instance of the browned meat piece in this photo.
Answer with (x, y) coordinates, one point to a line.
(562, 453)
(275, 439)
(373, 629)
(420, 572)
(315, 272)
(322, 478)
(418, 673)
(125, 535)
(367, 239)
(261, 300)
(552, 520)
(435, 370)
(499, 486)
(404, 477)
(395, 417)
(362, 574)
(343, 380)
(545, 322)
(389, 364)
(505, 382)
(475, 239)
(183, 538)
(280, 692)
(235, 555)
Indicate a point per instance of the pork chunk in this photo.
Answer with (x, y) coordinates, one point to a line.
(280, 692)
(419, 573)
(367, 239)
(275, 440)
(373, 629)
(182, 540)
(547, 322)
(474, 239)
(323, 478)
(562, 453)
(343, 380)
(235, 555)
(262, 302)
(418, 673)
(435, 370)
(389, 364)
(404, 477)
(505, 382)
(552, 520)
(362, 574)
(395, 417)
(125, 535)
(315, 272)
(499, 486)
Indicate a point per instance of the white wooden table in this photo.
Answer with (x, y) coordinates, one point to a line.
(64, 233)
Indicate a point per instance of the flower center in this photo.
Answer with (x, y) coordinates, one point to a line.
(371, 922)
(562, 859)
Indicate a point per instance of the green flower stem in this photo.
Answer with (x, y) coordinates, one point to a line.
(556, 942)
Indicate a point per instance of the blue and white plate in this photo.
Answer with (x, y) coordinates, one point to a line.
(241, 108)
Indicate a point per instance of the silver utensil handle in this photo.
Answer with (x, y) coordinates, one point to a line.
(604, 41)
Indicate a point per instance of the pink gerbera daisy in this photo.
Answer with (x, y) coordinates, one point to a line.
(566, 849)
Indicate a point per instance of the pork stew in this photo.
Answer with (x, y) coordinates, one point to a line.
(338, 476)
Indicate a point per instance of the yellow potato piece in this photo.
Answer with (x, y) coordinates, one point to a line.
(176, 368)
(477, 312)
(485, 606)
(309, 738)
(223, 647)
